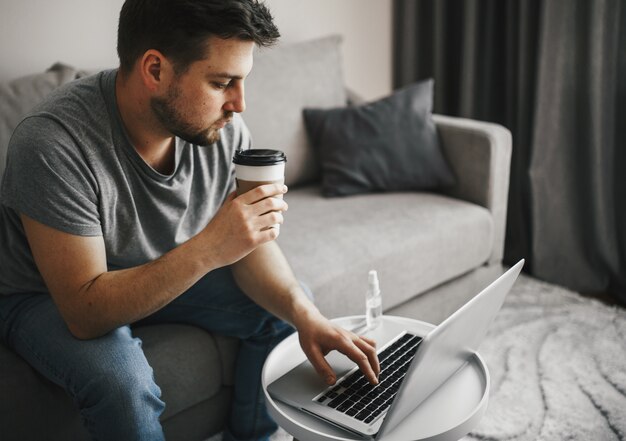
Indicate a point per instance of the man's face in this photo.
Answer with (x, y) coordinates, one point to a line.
(202, 100)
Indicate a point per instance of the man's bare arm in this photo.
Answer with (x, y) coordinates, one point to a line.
(266, 277)
(93, 300)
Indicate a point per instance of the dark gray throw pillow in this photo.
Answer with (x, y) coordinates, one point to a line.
(387, 145)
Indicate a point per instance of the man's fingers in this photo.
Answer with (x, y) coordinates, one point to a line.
(261, 192)
(270, 204)
(354, 353)
(267, 220)
(369, 348)
(371, 342)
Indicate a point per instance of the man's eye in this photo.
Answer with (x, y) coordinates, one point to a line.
(221, 85)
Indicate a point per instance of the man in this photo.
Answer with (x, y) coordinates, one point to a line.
(118, 208)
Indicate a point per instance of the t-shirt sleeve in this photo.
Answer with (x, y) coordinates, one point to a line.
(48, 179)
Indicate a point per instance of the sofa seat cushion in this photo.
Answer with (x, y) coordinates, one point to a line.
(414, 240)
(190, 365)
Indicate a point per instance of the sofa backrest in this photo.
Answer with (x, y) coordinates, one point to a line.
(283, 81)
(19, 96)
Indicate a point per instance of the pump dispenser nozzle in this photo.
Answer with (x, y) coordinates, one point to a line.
(373, 301)
(372, 278)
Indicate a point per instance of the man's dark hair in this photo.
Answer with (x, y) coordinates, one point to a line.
(180, 28)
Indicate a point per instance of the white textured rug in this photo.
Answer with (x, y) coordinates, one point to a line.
(557, 363)
(558, 368)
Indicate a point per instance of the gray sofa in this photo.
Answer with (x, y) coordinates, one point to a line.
(432, 250)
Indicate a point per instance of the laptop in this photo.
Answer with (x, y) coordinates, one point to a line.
(412, 368)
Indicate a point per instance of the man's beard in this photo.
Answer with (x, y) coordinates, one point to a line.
(169, 116)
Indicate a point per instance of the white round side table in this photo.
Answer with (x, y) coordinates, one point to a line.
(450, 413)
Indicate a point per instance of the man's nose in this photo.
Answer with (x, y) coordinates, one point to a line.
(236, 101)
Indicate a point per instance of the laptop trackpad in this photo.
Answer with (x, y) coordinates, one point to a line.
(303, 382)
(340, 363)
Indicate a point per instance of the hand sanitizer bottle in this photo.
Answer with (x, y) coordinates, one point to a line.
(373, 302)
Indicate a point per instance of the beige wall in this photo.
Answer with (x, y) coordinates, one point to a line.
(365, 26)
(36, 33)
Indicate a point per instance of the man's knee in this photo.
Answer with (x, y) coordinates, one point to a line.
(118, 404)
(122, 405)
(128, 388)
(121, 381)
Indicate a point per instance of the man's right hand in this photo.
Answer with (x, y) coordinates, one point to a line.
(243, 223)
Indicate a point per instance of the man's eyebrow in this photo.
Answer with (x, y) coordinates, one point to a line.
(224, 75)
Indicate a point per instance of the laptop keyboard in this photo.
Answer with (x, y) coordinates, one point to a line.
(354, 396)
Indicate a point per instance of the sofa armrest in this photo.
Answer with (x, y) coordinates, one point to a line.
(480, 156)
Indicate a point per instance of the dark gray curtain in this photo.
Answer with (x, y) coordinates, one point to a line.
(554, 73)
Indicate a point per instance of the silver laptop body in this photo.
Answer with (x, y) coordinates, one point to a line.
(441, 353)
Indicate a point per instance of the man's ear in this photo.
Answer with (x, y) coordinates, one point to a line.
(155, 70)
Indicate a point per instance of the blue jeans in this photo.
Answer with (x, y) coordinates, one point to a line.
(109, 378)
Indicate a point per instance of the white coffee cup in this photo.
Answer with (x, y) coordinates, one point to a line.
(256, 167)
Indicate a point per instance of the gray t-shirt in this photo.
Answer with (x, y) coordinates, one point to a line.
(71, 166)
